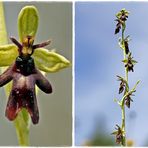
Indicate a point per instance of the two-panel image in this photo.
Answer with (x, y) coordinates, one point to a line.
(73, 73)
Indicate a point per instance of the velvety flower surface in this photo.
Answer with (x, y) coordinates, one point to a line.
(25, 60)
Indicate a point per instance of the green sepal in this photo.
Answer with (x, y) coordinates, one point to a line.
(8, 54)
(114, 133)
(49, 61)
(27, 22)
(125, 61)
(134, 62)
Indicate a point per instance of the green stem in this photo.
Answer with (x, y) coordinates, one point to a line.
(126, 78)
(21, 123)
(22, 127)
(123, 126)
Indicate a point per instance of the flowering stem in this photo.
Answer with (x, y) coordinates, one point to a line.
(123, 126)
(126, 78)
(20, 122)
(21, 125)
(129, 63)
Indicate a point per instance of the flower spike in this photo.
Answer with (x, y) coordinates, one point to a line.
(124, 88)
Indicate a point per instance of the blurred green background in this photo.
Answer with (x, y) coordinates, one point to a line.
(55, 125)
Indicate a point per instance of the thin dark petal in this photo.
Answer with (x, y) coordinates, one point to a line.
(12, 108)
(43, 83)
(42, 44)
(16, 42)
(7, 76)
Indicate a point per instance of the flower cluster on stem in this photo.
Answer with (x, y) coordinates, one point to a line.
(129, 62)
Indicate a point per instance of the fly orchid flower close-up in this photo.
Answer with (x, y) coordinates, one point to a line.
(25, 60)
(24, 75)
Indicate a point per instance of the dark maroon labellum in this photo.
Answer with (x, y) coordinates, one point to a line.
(25, 76)
(128, 100)
(118, 27)
(119, 135)
(126, 46)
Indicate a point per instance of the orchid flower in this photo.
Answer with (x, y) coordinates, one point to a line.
(25, 60)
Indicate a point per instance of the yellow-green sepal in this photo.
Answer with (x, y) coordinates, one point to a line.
(49, 61)
(8, 54)
(27, 22)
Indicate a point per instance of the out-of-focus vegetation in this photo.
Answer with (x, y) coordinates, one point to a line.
(100, 136)
(100, 139)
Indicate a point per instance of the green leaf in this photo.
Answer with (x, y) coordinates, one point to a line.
(134, 88)
(49, 61)
(8, 54)
(27, 22)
